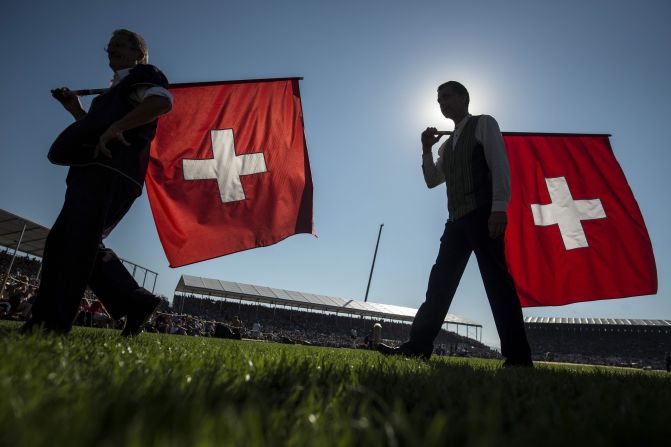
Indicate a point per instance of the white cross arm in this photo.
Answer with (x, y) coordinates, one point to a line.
(226, 167)
(567, 213)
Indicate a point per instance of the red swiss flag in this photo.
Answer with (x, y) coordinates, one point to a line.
(229, 169)
(575, 232)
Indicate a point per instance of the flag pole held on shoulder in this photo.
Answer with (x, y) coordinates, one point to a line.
(98, 91)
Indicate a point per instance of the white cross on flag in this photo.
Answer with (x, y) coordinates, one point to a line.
(575, 232)
(567, 213)
(229, 169)
(225, 167)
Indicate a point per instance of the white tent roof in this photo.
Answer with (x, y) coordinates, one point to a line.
(597, 321)
(260, 294)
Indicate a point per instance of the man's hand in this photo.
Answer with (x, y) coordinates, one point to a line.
(112, 133)
(497, 224)
(70, 101)
(429, 138)
(147, 111)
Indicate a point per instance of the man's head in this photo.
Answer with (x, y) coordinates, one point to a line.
(453, 99)
(126, 49)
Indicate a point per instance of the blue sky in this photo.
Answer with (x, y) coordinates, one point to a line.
(371, 69)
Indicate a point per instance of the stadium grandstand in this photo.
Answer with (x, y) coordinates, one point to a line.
(22, 243)
(324, 318)
(26, 241)
(601, 341)
(287, 315)
(302, 301)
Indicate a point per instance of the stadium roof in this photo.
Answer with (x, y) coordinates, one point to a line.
(268, 295)
(597, 321)
(34, 237)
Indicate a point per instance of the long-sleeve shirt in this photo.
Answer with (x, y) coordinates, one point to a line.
(488, 134)
(141, 93)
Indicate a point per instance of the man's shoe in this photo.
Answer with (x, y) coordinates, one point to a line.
(403, 350)
(143, 308)
(387, 350)
(509, 363)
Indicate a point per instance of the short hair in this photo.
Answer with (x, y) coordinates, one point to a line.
(136, 40)
(457, 87)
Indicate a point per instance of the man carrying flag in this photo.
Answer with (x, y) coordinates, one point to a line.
(474, 165)
(107, 150)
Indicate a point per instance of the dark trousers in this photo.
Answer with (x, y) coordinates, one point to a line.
(461, 237)
(74, 255)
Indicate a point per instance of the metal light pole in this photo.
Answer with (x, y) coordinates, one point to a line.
(373, 266)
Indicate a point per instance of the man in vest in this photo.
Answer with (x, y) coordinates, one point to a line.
(107, 149)
(474, 165)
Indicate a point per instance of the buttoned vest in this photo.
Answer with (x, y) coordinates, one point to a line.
(467, 175)
(75, 145)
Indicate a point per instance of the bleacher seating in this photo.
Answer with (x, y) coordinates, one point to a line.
(318, 327)
(605, 344)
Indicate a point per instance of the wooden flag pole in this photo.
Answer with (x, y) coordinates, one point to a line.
(91, 91)
(97, 91)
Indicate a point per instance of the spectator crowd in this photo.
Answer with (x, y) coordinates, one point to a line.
(279, 323)
(636, 346)
(613, 345)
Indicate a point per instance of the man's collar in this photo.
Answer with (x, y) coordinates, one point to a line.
(120, 74)
(462, 122)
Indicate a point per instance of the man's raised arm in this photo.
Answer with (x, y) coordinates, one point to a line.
(146, 112)
(433, 175)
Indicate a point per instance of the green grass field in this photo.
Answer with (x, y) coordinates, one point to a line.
(94, 388)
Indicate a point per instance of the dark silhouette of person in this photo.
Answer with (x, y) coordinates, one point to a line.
(474, 165)
(107, 149)
(236, 326)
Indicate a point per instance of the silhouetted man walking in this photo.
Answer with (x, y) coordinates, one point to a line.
(107, 150)
(474, 166)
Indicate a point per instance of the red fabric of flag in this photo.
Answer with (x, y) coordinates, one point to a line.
(229, 169)
(575, 232)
